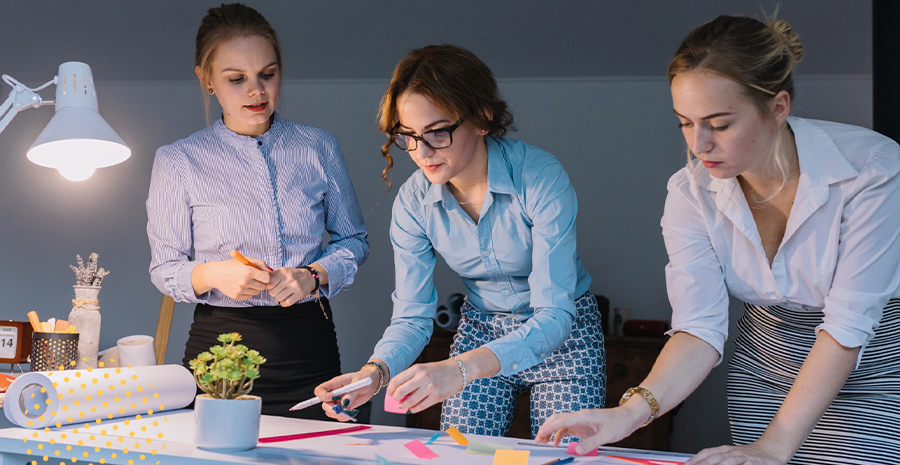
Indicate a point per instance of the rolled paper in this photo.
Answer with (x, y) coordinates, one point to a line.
(61, 326)
(72, 329)
(46, 328)
(40, 399)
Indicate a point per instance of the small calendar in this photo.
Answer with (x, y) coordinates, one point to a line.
(15, 341)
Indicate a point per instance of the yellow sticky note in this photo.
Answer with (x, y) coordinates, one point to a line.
(511, 457)
(457, 436)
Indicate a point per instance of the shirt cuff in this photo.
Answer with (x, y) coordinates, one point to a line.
(713, 338)
(180, 287)
(513, 356)
(340, 276)
(849, 328)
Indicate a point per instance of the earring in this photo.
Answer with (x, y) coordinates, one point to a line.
(484, 131)
(209, 90)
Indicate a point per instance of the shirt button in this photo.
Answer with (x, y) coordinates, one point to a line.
(515, 366)
(259, 143)
(506, 292)
(542, 355)
(486, 253)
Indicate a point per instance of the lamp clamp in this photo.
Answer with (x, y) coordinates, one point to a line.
(21, 97)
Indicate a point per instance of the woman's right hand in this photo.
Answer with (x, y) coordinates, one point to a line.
(351, 400)
(232, 278)
(595, 427)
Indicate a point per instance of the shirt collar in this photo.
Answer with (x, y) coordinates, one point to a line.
(499, 179)
(267, 138)
(821, 161)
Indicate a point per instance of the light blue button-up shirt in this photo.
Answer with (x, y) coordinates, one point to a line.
(519, 259)
(271, 197)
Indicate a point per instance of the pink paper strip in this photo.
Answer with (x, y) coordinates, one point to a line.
(421, 450)
(571, 450)
(316, 434)
(392, 406)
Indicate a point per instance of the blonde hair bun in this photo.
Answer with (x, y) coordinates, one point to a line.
(787, 38)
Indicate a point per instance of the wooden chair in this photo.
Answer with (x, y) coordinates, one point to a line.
(163, 325)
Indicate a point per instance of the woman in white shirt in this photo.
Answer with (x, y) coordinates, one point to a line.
(800, 219)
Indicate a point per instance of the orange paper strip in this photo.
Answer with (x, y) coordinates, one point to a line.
(457, 436)
(511, 457)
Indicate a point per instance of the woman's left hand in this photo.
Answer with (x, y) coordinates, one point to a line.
(288, 285)
(425, 384)
(749, 454)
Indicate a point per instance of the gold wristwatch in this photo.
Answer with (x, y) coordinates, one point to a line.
(648, 396)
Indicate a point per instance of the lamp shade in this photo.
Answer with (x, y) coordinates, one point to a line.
(77, 140)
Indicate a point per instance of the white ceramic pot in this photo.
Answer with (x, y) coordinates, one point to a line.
(226, 425)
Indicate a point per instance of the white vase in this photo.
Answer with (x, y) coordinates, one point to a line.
(86, 318)
(226, 424)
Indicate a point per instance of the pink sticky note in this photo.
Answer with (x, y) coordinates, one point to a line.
(421, 450)
(571, 450)
(392, 406)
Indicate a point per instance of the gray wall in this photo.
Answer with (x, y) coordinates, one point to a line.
(615, 134)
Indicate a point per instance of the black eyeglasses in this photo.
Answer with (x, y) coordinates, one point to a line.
(436, 139)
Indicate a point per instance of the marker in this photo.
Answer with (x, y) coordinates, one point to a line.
(348, 388)
(560, 461)
(241, 258)
(340, 411)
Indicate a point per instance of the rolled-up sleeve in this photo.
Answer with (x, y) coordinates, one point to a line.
(169, 230)
(349, 246)
(695, 281)
(415, 296)
(867, 273)
(552, 206)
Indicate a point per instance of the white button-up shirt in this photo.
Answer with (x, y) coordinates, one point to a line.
(840, 251)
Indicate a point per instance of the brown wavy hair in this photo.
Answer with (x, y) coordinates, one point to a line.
(454, 80)
(221, 24)
(761, 57)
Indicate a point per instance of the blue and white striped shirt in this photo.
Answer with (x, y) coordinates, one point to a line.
(271, 197)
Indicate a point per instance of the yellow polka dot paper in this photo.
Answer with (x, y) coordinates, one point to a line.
(56, 398)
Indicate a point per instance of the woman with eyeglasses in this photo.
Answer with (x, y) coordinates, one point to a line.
(502, 215)
(798, 218)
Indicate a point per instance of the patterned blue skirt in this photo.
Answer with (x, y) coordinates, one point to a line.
(570, 379)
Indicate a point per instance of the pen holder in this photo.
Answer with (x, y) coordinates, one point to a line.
(53, 351)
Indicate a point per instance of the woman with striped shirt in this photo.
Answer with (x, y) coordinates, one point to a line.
(799, 219)
(266, 187)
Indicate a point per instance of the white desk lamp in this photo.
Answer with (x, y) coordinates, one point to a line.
(77, 140)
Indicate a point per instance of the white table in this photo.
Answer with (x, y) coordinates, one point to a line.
(175, 446)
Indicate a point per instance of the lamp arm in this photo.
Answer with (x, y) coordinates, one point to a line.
(21, 98)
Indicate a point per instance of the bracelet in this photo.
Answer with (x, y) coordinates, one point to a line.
(314, 274)
(648, 396)
(381, 381)
(462, 368)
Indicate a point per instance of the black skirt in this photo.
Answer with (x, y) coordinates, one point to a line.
(298, 342)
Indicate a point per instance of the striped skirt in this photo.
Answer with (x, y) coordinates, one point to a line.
(862, 425)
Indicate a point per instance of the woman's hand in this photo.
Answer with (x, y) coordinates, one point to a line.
(351, 400)
(232, 278)
(753, 453)
(288, 285)
(425, 384)
(595, 427)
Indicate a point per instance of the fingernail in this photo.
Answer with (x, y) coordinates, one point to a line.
(353, 412)
(345, 402)
(335, 397)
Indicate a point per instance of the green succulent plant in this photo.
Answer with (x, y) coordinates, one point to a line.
(227, 371)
